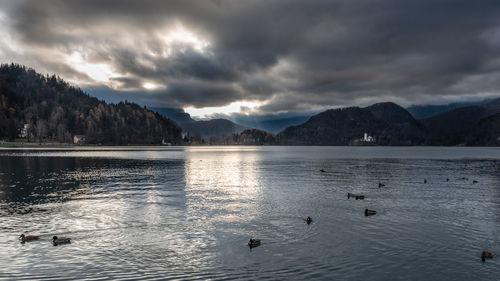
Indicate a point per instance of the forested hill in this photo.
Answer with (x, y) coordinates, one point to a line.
(388, 122)
(52, 110)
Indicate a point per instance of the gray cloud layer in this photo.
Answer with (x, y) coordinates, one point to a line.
(290, 55)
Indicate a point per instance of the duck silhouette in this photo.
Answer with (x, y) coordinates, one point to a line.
(370, 212)
(253, 242)
(486, 255)
(60, 240)
(26, 238)
(356, 196)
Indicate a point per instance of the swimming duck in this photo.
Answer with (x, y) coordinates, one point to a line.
(357, 197)
(322, 170)
(56, 240)
(425, 180)
(381, 184)
(25, 238)
(309, 220)
(370, 212)
(474, 181)
(447, 179)
(254, 242)
(486, 255)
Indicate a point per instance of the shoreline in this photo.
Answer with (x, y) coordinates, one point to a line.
(7, 145)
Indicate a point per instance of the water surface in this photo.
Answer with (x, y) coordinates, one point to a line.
(187, 213)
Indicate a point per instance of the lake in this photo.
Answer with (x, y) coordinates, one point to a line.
(188, 213)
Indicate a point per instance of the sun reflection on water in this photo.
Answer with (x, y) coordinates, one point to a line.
(227, 185)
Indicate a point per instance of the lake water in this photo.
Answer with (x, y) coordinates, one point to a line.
(188, 212)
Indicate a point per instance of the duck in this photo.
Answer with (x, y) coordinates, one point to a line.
(370, 212)
(62, 240)
(253, 242)
(322, 170)
(486, 255)
(447, 179)
(425, 180)
(25, 238)
(381, 184)
(474, 181)
(356, 196)
(309, 220)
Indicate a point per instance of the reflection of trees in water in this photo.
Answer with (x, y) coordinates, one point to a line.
(26, 181)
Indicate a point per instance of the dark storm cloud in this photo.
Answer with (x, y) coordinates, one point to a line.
(202, 93)
(179, 94)
(291, 55)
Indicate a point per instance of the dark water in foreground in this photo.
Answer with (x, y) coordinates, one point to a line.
(187, 213)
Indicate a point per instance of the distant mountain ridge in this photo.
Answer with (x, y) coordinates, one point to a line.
(212, 128)
(426, 111)
(176, 114)
(273, 123)
(205, 128)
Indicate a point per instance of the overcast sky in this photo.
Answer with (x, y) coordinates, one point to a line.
(261, 56)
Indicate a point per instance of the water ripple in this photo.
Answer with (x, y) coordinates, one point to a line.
(163, 214)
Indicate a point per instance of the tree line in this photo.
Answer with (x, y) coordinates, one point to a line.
(46, 108)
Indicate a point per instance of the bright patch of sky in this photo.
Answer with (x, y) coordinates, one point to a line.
(244, 107)
(179, 34)
(152, 86)
(97, 71)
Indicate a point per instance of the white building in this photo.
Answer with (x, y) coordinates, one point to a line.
(24, 131)
(79, 139)
(367, 138)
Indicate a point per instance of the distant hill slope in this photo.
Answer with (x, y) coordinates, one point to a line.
(206, 129)
(426, 111)
(451, 127)
(331, 127)
(176, 114)
(399, 122)
(494, 102)
(53, 110)
(388, 122)
(493, 107)
(273, 123)
(212, 128)
(486, 133)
